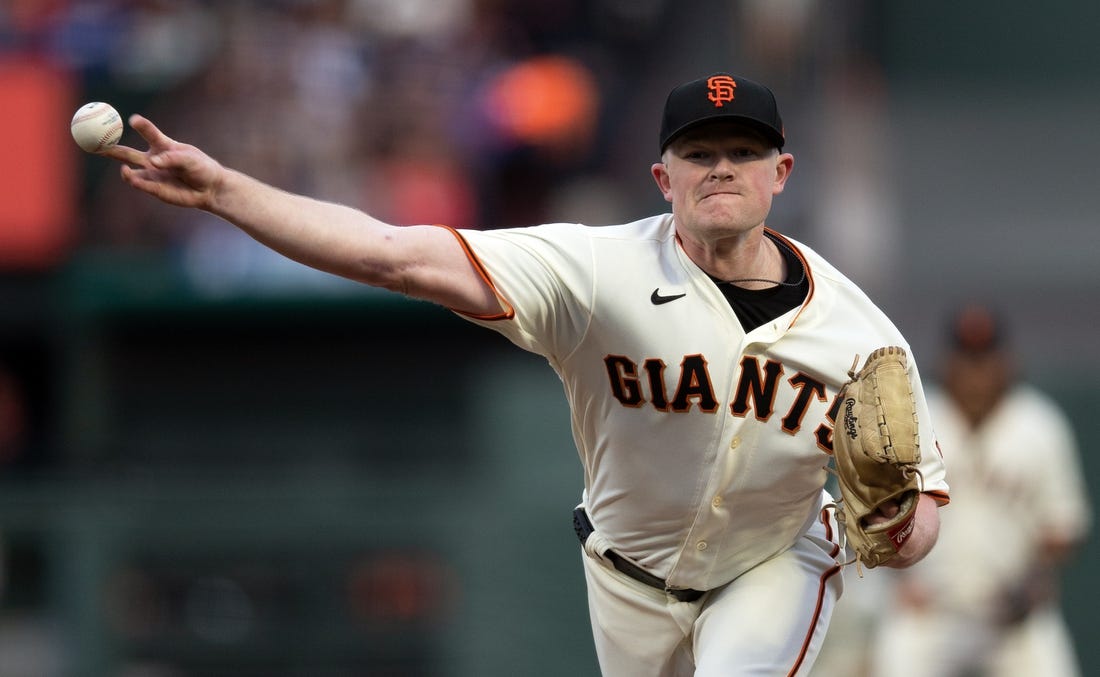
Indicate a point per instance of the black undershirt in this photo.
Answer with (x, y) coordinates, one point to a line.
(756, 307)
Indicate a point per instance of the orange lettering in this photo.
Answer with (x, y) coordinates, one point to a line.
(720, 89)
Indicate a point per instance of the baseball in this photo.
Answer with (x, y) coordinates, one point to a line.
(96, 126)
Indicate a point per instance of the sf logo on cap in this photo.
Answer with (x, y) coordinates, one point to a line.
(720, 89)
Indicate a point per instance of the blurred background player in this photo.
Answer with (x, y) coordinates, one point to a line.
(985, 601)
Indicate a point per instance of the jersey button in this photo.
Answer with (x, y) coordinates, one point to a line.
(701, 545)
(717, 502)
(735, 442)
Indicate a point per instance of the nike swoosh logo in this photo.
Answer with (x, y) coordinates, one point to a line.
(656, 298)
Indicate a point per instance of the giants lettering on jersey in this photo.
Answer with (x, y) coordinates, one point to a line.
(757, 387)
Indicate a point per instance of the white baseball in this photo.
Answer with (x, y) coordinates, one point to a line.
(96, 126)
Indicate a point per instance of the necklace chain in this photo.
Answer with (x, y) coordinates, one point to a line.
(801, 278)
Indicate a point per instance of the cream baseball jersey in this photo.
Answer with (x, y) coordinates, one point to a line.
(703, 447)
(1020, 469)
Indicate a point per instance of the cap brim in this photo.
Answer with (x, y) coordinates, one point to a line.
(769, 134)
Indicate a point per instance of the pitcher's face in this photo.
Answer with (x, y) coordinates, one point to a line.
(721, 179)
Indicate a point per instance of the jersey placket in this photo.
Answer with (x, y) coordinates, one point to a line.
(708, 538)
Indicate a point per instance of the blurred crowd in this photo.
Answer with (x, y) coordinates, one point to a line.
(470, 113)
(463, 112)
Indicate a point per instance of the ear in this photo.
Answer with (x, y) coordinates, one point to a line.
(784, 164)
(660, 175)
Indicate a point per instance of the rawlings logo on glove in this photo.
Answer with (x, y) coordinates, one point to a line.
(876, 450)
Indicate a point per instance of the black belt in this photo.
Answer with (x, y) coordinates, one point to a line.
(583, 526)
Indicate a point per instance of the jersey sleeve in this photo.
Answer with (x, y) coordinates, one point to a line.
(932, 468)
(543, 276)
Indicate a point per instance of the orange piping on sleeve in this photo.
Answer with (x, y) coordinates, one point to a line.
(941, 497)
(508, 312)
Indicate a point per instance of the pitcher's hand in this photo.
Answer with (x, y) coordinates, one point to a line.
(177, 173)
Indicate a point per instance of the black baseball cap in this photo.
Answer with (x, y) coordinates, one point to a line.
(721, 96)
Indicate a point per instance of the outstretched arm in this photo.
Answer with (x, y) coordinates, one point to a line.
(425, 262)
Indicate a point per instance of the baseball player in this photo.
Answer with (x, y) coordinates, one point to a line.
(700, 351)
(985, 601)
